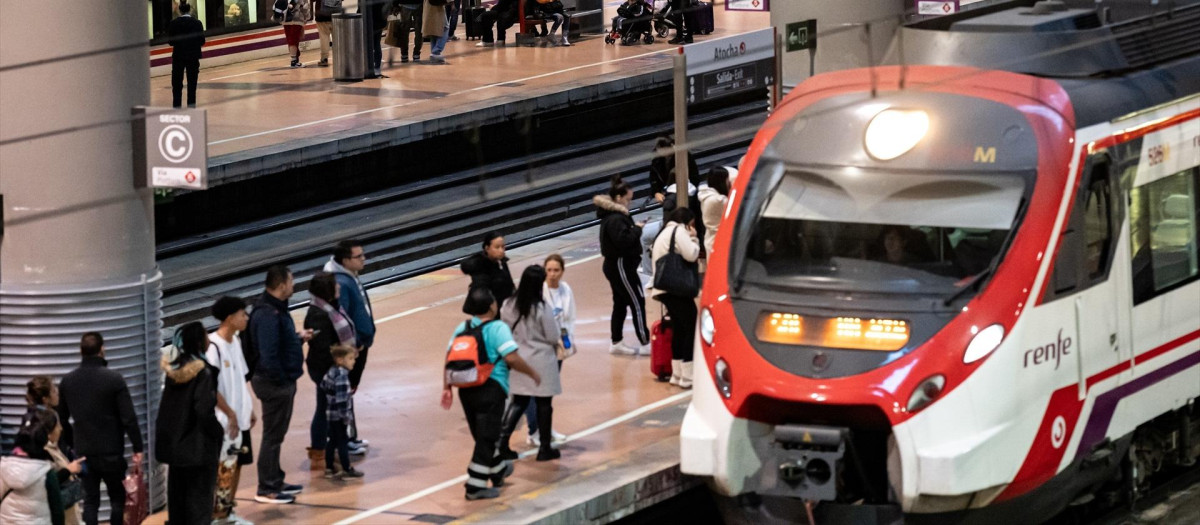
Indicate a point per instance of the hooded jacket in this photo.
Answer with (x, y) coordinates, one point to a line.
(27, 502)
(357, 303)
(619, 236)
(188, 433)
(490, 274)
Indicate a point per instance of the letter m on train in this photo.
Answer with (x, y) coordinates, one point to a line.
(985, 155)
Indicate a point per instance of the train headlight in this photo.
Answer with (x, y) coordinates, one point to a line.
(893, 132)
(707, 326)
(723, 377)
(984, 343)
(926, 393)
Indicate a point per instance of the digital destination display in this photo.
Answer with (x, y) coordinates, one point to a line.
(851, 333)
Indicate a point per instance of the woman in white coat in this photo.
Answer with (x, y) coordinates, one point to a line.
(681, 230)
(713, 199)
(537, 335)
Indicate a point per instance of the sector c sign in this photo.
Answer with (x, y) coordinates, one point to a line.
(170, 148)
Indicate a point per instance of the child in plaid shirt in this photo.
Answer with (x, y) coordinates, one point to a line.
(340, 413)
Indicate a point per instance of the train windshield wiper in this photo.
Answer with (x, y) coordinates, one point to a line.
(972, 284)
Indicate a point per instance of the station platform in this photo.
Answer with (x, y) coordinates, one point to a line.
(621, 453)
(265, 117)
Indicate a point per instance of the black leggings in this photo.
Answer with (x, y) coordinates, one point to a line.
(683, 325)
(627, 292)
(545, 413)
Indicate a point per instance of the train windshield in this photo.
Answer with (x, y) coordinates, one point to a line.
(860, 231)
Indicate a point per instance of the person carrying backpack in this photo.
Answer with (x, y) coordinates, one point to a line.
(477, 361)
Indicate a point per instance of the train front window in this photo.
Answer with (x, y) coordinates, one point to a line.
(853, 230)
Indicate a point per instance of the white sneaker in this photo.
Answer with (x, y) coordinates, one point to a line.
(533, 440)
(620, 348)
(644, 350)
(558, 436)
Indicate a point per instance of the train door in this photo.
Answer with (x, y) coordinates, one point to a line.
(1082, 273)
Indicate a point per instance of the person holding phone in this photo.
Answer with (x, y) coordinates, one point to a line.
(331, 325)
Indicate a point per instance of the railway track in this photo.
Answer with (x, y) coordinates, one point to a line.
(432, 224)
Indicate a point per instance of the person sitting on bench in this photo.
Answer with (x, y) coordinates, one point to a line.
(503, 15)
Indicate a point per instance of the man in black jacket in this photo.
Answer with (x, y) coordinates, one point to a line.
(272, 334)
(186, 38)
(99, 401)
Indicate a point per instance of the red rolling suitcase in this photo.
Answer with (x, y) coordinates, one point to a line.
(703, 15)
(660, 349)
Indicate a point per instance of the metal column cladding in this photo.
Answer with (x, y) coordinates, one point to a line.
(77, 252)
(40, 328)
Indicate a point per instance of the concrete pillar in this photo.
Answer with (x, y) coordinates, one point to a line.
(77, 252)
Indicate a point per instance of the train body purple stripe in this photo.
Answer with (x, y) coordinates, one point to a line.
(1106, 404)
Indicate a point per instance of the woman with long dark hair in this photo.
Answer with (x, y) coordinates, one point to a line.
(621, 247)
(331, 326)
(188, 433)
(537, 335)
(679, 236)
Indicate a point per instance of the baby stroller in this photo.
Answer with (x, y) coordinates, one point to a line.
(663, 21)
(633, 22)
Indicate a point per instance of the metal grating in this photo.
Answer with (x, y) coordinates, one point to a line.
(1161, 37)
(40, 328)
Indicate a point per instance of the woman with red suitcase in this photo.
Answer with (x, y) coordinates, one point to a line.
(678, 236)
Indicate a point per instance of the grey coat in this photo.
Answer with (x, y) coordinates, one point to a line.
(536, 336)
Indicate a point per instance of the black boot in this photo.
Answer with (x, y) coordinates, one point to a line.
(546, 431)
(512, 416)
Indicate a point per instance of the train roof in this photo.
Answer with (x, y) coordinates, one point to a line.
(1114, 57)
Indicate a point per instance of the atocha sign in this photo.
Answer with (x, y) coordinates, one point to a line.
(727, 66)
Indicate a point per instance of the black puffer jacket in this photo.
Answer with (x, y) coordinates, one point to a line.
(619, 235)
(491, 275)
(188, 433)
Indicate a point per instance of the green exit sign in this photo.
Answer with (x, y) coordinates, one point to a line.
(800, 35)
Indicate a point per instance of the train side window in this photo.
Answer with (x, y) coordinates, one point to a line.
(1165, 242)
(1097, 225)
(1085, 249)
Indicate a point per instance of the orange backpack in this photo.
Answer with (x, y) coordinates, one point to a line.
(467, 363)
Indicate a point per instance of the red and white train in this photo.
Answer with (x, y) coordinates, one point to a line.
(966, 289)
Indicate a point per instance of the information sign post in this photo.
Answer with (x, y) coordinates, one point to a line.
(170, 148)
(716, 69)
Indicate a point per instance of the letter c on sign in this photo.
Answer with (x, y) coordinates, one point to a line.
(175, 143)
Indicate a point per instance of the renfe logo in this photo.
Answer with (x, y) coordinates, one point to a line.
(729, 52)
(1051, 352)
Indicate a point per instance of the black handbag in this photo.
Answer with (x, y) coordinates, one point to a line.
(675, 275)
(71, 491)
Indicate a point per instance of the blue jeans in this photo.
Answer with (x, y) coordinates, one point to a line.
(319, 429)
(439, 44)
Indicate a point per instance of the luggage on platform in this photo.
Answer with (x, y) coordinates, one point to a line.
(660, 349)
(471, 20)
(703, 15)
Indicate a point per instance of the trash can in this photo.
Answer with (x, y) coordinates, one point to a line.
(349, 63)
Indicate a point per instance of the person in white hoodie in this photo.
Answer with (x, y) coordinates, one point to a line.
(713, 199)
(679, 231)
(29, 490)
